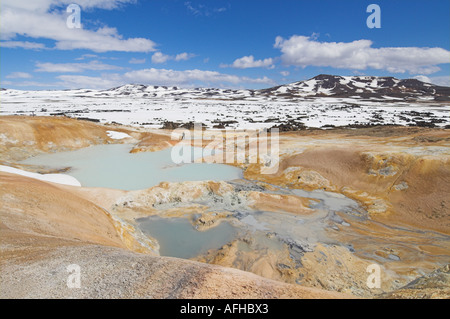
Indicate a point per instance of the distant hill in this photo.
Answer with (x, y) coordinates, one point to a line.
(356, 87)
(361, 87)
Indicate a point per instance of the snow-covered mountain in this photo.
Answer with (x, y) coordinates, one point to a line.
(359, 87)
(320, 86)
(150, 91)
(323, 101)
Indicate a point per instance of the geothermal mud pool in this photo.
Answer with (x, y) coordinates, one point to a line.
(178, 238)
(268, 230)
(113, 166)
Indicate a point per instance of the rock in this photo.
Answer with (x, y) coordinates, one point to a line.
(433, 285)
(393, 257)
(307, 178)
(378, 206)
(401, 186)
(207, 221)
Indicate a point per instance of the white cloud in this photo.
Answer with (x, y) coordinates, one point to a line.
(40, 19)
(305, 51)
(159, 57)
(87, 56)
(137, 61)
(263, 80)
(22, 44)
(19, 75)
(34, 84)
(250, 62)
(74, 67)
(188, 77)
(106, 81)
(184, 56)
(422, 78)
(284, 73)
(95, 56)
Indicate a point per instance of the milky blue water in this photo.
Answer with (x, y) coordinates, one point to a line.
(112, 166)
(178, 238)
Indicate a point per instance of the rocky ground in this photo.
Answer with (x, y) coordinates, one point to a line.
(399, 175)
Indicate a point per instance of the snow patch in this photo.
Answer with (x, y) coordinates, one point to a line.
(117, 135)
(54, 178)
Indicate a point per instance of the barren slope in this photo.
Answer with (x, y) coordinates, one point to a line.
(46, 227)
(400, 175)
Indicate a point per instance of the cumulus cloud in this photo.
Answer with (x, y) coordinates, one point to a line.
(74, 67)
(305, 51)
(188, 77)
(23, 45)
(247, 62)
(184, 56)
(47, 19)
(159, 57)
(422, 78)
(106, 81)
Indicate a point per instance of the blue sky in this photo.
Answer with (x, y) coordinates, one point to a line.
(219, 43)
